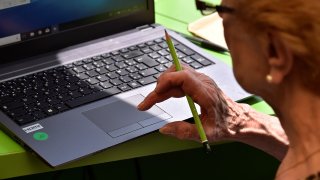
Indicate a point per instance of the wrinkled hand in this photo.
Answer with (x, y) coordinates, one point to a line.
(203, 91)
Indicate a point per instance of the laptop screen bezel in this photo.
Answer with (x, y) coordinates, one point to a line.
(22, 50)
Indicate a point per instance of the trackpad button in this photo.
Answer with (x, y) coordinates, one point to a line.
(124, 130)
(122, 116)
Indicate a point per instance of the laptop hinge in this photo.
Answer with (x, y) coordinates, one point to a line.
(145, 27)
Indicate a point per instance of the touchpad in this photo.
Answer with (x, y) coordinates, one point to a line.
(122, 116)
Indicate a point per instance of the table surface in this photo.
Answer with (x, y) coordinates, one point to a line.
(170, 14)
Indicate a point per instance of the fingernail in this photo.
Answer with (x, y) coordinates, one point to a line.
(140, 106)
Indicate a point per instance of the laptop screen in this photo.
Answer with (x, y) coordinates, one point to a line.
(23, 20)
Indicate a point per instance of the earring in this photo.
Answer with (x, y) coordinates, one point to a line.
(269, 78)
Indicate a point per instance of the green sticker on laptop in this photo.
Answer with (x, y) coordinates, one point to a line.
(40, 136)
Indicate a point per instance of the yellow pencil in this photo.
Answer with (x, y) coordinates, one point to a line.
(193, 109)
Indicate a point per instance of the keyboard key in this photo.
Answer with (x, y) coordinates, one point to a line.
(92, 73)
(86, 91)
(124, 87)
(114, 53)
(105, 85)
(112, 75)
(169, 64)
(204, 62)
(121, 65)
(155, 48)
(96, 58)
(50, 110)
(82, 76)
(80, 84)
(163, 52)
(125, 79)
(147, 80)
(148, 72)
(157, 75)
(25, 119)
(61, 107)
(141, 45)
(197, 58)
(98, 63)
(105, 55)
(122, 72)
(115, 82)
(118, 58)
(88, 60)
(64, 97)
(131, 69)
(159, 40)
(161, 68)
(111, 67)
(141, 66)
(72, 87)
(134, 84)
(39, 114)
(135, 76)
(111, 91)
(75, 94)
(196, 65)
(101, 70)
(78, 69)
(88, 66)
(132, 54)
(92, 81)
(130, 62)
(108, 61)
(162, 60)
(187, 60)
(148, 61)
(154, 55)
(13, 105)
(185, 50)
(132, 48)
(146, 50)
(14, 113)
(102, 78)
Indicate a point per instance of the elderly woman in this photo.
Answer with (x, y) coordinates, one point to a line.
(275, 50)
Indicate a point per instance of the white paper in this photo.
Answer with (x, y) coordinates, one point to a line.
(209, 28)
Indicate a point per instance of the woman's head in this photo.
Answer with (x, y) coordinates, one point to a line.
(259, 31)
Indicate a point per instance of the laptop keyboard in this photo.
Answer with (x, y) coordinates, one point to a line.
(36, 96)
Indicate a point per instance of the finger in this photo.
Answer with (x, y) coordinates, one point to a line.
(181, 130)
(187, 82)
(168, 73)
(172, 68)
(154, 98)
(170, 79)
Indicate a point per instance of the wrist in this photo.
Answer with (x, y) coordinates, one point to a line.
(249, 126)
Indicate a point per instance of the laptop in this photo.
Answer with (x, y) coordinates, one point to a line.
(72, 73)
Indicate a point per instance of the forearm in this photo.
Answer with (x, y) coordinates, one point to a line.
(256, 129)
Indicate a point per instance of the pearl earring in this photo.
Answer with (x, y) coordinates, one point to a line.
(269, 78)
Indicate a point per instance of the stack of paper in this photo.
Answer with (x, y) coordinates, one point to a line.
(209, 28)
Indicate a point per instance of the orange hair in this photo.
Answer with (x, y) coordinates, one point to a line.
(297, 23)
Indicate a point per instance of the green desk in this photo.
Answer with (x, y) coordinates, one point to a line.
(16, 161)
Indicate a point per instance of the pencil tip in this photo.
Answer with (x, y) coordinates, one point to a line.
(207, 147)
(167, 35)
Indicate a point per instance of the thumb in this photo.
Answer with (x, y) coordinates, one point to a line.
(181, 130)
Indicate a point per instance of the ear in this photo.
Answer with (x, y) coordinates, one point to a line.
(280, 58)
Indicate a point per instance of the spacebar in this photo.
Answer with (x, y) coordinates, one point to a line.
(92, 97)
